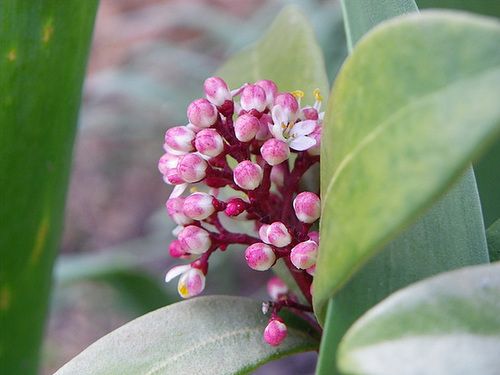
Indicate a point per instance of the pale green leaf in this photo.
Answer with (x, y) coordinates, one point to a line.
(493, 236)
(416, 100)
(288, 54)
(448, 324)
(204, 335)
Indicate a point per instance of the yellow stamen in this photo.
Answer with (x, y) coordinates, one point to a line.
(183, 290)
(298, 94)
(317, 96)
(193, 190)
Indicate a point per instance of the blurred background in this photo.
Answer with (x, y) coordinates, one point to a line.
(148, 62)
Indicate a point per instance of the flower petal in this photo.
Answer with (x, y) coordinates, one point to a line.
(305, 127)
(176, 271)
(302, 143)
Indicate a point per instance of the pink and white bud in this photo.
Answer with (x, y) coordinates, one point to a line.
(198, 206)
(176, 250)
(275, 151)
(235, 207)
(172, 177)
(216, 90)
(316, 135)
(247, 175)
(276, 288)
(278, 235)
(311, 270)
(194, 240)
(246, 127)
(310, 113)
(289, 106)
(208, 142)
(304, 254)
(180, 138)
(263, 233)
(270, 89)
(167, 161)
(192, 168)
(253, 97)
(275, 332)
(307, 207)
(174, 210)
(202, 113)
(260, 256)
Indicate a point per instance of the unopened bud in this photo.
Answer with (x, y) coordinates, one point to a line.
(198, 206)
(247, 175)
(275, 151)
(194, 239)
(304, 254)
(307, 207)
(270, 89)
(202, 113)
(216, 90)
(276, 288)
(278, 235)
(174, 210)
(191, 168)
(179, 138)
(208, 142)
(275, 332)
(253, 97)
(246, 127)
(260, 256)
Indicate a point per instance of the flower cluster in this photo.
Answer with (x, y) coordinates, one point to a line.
(250, 156)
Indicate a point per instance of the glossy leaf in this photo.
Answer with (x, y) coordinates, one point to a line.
(448, 324)
(204, 335)
(493, 236)
(288, 54)
(429, 109)
(43, 53)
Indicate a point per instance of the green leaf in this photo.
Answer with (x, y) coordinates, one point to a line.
(362, 15)
(43, 54)
(493, 237)
(448, 324)
(288, 54)
(407, 115)
(205, 335)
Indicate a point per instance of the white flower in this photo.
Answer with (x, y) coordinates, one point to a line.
(295, 134)
(191, 282)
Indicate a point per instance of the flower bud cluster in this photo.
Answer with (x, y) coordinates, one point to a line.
(249, 148)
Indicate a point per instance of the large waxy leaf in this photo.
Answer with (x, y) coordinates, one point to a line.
(493, 236)
(43, 54)
(288, 54)
(448, 324)
(205, 335)
(414, 102)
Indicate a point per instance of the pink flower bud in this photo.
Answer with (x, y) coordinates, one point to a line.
(304, 254)
(310, 113)
(194, 239)
(209, 143)
(202, 113)
(311, 270)
(179, 138)
(307, 207)
(174, 210)
(263, 233)
(270, 89)
(316, 135)
(191, 168)
(275, 151)
(235, 207)
(247, 175)
(172, 177)
(278, 235)
(260, 256)
(253, 97)
(166, 162)
(275, 332)
(246, 127)
(216, 90)
(276, 288)
(176, 250)
(289, 106)
(198, 206)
